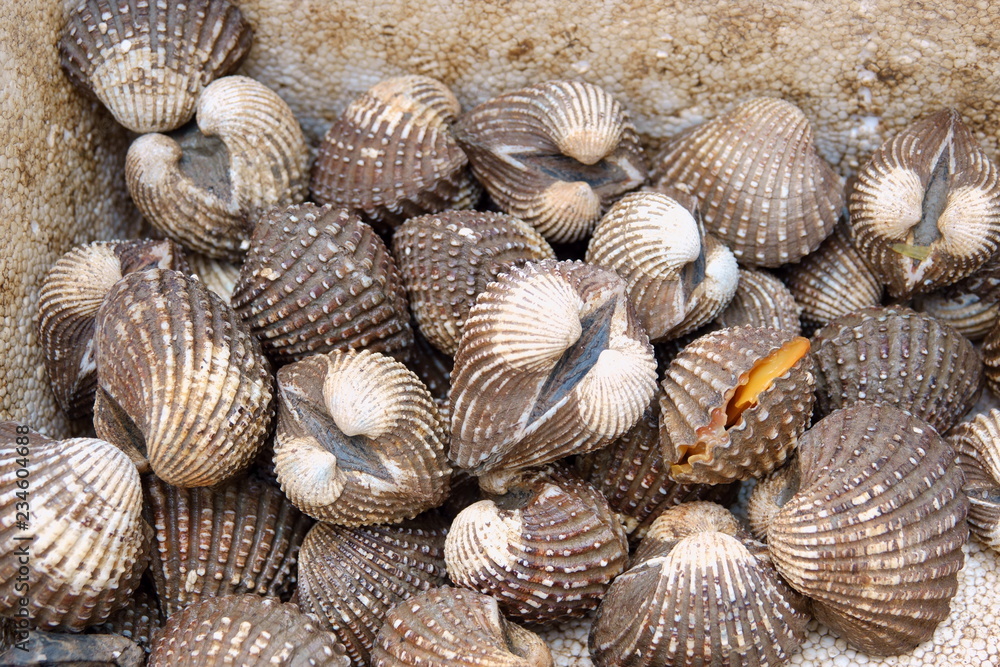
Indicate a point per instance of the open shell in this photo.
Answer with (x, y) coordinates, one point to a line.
(977, 443)
(761, 300)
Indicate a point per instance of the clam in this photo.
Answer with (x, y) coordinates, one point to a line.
(148, 62)
(218, 275)
(761, 300)
(555, 155)
(968, 314)
(139, 620)
(391, 155)
(734, 401)
(925, 210)
(761, 187)
(977, 443)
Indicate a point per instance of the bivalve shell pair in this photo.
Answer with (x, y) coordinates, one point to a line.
(977, 443)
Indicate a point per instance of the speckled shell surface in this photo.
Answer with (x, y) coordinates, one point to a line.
(874, 534)
(761, 187)
(761, 300)
(977, 444)
(896, 355)
(318, 279)
(181, 380)
(149, 61)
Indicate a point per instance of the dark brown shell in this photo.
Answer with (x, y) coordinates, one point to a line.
(139, 620)
(761, 300)
(977, 443)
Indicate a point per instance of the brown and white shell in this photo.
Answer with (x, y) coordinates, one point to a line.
(75, 541)
(677, 277)
(925, 210)
(546, 550)
(205, 186)
(318, 279)
(761, 300)
(391, 155)
(967, 313)
(359, 439)
(991, 359)
(977, 444)
(734, 401)
(761, 187)
(555, 154)
(454, 627)
(553, 361)
(218, 275)
(148, 62)
(874, 533)
(139, 620)
(698, 593)
(350, 578)
(182, 385)
(245, 630)
(67, 306)
(447, 259)
(898, 356)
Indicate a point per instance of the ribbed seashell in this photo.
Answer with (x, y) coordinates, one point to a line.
(148, 62)
(734, 401)
(242, 536)
(245, 630)
(546, 550)
(183, 386)
(218, 275)
(350, 578)
(697, 593)
(968, 314)
(206, 186)
(768, 496)
(991, 359)
(977, 444)
(555, 154)
(139, 620)
(317, 279)
(761, 186)
(874, 533)
(79, 525)
(452, 627)
(67, 305)
(677, 278)
(553, 361)
(447, 259)
(433, 367)
(925, 210)
(359, 440)
(898, 356)
(391, 155)
(761, 300)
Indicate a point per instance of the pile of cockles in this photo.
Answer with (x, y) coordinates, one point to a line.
(461, 374)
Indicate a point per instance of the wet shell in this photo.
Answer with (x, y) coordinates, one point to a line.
(351, 577)
(555, 155)
(548, 549)
(218, 275)
(925, 210)
(696, 594)
(140, 620)
(874, 534)
(239, 537)
(392, 156)
(67, 305)
(317, 279)
(978, 446)
(182, 384)
(553, 362)
(149, 61)
(447, 259)
(84, 535)
(244, 630)
(966, 313)
(678, 279)
(761, 300)
(897, 356)
(451, 627)
(734, 401)
(761, 186)
(359, 440)
(206, 186)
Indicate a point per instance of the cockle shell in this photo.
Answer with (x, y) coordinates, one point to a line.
(447, 259)
(453, 627)
(183, 386)
(925, 210)
(734, 401)
(359, 440)
(552, 362)
(391, 155)
(761, 186)
(318, 279)
(206, 186)
(148, 62)
(139, 620)
(218, 275)
(677, 277)
(897, 356)
(75, 541)
(761, 300)
(977, 443)
(968, 314)
(554, 154)
(874, 533)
